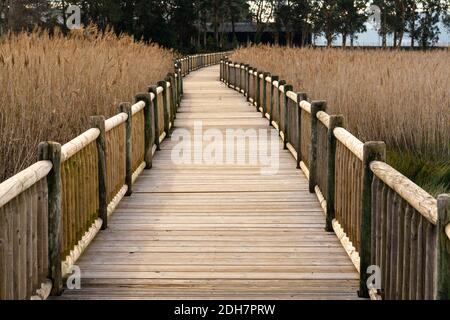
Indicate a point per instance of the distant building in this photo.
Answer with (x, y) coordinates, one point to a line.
(247, 32)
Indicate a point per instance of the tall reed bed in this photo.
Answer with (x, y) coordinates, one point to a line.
(51, 85)
(399, 97)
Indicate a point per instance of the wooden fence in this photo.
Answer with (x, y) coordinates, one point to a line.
(51, 211)
(389, 226)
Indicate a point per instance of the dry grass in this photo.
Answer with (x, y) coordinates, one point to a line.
(50, 86)
(402, 98)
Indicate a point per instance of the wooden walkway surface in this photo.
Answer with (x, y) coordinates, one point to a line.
(216, 231)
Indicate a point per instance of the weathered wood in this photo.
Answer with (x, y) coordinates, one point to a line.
(301, 96)
(287, 138)
(51, 151)
(443, 248)
(316, 106)
(373, 151)
(164, 85)
(98, 122)
(127, 109)
(77, 144)
(408, 190)
(151, 124)
(334, 121)
(19, 183)
(155, 119)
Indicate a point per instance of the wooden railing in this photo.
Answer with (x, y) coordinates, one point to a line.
(389, 226)
(51, 211)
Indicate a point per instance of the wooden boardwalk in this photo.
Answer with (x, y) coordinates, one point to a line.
(216, 231)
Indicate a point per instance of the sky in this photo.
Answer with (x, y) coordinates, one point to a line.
(371, 38)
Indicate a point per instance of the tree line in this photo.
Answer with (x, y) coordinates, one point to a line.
(182, 24)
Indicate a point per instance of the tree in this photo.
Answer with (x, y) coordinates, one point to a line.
(262, 13)
(352, 19)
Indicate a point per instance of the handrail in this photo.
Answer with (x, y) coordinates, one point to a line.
(447, 231)
(324, 118)
(350, 141)
(292, 95)
(22, 181)
(423, 202)
(305, 105)
(115, 121)
(78, 143)
(135, 108)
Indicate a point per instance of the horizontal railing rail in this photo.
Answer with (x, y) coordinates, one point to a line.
(51, 211)
(389, 226)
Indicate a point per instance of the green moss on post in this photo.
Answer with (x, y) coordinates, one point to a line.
(443, 249)
(301, 96)
(373, 151)
(272, 93)
(125, 107)
(51, 151)
(153, 89)
(287, 87)
(265, 102)
(316, 106)
(150, 129)
(99, 123)
(335, 121)
(163, 84)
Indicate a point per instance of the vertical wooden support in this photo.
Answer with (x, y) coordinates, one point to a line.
(373, 151)
(265, 102)
(301, 96)
(180, 79)
(229, 74)
(316, 106)
(258, 90)
(153, 89)
(173, 106)
(150, 131)
(272, 92)
(255, 86)
(443, 249)
(221, 69)
(99, 123)
(249, 76)
(125, 107)
(280, 94)
(241, 80)
(246, 79)
(335, 121)
(163, 84)
(51, 151)
(287, 87)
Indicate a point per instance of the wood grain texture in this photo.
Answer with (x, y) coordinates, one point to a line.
(217, 231)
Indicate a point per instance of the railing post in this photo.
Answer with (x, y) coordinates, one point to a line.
(51, 151)
(154, 90)
(248, 75)
(287, 87)
(163, 84)
(316, 106)
(265, 75)
(335, 121)
(258, 90)
(221, 69)
(229, 74)
(241, 81)
(173, 107)
(373, 151)
(301, 96)
(272, 91)
(443, 248)
(255, 87)
(246, 79)
(99, 123)
(125, 107)
(149, 127)
(280, 93)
